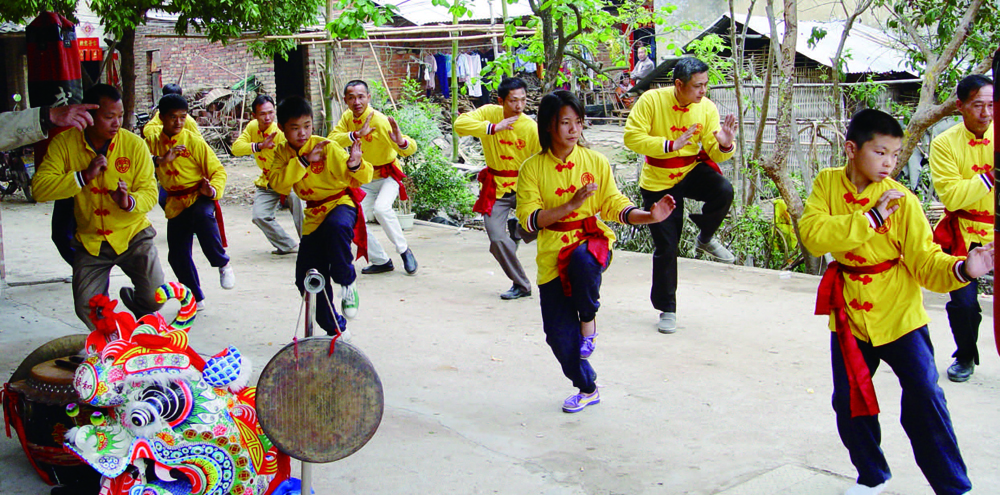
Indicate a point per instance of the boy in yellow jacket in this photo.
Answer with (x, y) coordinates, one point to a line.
(875, 229)
(260, 139)
(962, 170)
(509, 138)
(381, 144)
(329, 180)
(109, 177)
(155, 125)
(194, 180)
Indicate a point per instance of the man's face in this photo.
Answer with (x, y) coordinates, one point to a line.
(173, 121)
(298, 130)
(693, 90)
(265, 115)
(107, 119)
(642, 54)
(356, 98)
(977, 112)
(514, 103)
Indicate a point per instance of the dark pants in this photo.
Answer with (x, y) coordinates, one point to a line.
(561, 316)
(924, 415)
(328, 250)
(196, 220)
(64, 228)
(702, 183)
(964, 315)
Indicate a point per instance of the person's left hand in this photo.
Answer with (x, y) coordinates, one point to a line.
(727, 132)
(205, 188)
(980, 261)
(120, 195)
(396, 134)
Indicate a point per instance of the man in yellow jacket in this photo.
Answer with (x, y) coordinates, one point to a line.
(259, 139)
(194, 180)
(329, 180)
(381, 144)
(678, 130)
(962, 171)
(109, 176)
(509, 138)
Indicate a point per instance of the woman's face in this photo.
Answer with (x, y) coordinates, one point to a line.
(567, 128)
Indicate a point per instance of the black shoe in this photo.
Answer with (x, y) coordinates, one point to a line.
(373, 268)
(409, 262)
(515, 292)
(960, 370)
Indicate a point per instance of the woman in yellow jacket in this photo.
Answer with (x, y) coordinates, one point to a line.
(560, 192)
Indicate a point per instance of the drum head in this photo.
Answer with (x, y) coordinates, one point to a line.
(319, 408)
(58, 348)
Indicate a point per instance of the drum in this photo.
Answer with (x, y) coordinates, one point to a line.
(36, 408)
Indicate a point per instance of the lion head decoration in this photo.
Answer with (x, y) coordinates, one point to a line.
(172, 421)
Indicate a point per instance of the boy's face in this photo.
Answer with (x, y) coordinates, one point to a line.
(107, 119)
(298, 130)
(977, 112)
(265, 115)
(173, 121)
(356, 98)
(876, 158)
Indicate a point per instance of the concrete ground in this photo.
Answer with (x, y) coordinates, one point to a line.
(736, 402)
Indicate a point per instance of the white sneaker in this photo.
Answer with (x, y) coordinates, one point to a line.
(201, 305)
(860, 489)
(227, 277)
(715, 249)
(667, 323)
(349, 300)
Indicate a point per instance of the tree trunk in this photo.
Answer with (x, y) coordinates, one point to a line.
(551, 69)
(127, 49)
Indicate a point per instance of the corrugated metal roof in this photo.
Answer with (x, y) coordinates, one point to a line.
(421, 12)
(10, 28)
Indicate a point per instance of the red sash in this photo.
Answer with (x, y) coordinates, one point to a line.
(392, 170)
(683, 161)
(218, 209)
(830, 299)
(488, 191)
(597, 245)
(360, 231)
(948, 232)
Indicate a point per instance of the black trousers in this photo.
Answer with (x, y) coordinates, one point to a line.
(702, 183)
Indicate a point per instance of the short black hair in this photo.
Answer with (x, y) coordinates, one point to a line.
(293, 107)
(510, 84)
(356, 82)
(970, 84)
(260, 100)
(868, 123)
(173, 89)
(98, 91)
(172, 102)
(687, 67)
(548, 114)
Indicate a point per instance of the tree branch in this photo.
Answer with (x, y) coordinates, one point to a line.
(961, 33)
(598, 68)
(912, 32)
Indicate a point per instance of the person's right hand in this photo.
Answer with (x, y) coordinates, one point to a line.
(685, 138)
(581, 195)
(886, 205)
(506, 124)
(268, 141)
(366, 129)
(97, 166)
(173, 153)
(318, 153)
(73, 115)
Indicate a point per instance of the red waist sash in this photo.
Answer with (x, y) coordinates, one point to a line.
(218, 209)
(683, 161)
(360, 231)
(830, 300)
(948, 233)
(488, 191)
(597, 245)
(392, 170)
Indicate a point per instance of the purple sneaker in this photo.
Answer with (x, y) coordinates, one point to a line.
(576, 403)
(587, 346)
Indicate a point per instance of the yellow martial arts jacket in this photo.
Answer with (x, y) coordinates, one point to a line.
(154, 127)
(505, 150)
(321, 182)
(657, 118)
(962, 171)
(264, 157)
(885, 306)
(377, 148)
(98, 217)
(548, 182)
(186, 171)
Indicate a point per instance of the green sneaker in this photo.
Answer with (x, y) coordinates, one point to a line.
(349, 300)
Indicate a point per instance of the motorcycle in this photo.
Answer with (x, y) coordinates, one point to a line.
(16, 169)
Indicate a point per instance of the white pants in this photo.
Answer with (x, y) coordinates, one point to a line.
(379, 196)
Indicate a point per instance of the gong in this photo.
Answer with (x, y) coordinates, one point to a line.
(318, 407)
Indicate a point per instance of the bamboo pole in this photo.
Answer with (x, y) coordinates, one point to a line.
(419, 40)
(448, 28)
(385, 83)
(454, 91)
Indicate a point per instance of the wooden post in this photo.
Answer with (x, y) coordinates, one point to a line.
(454, 93)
